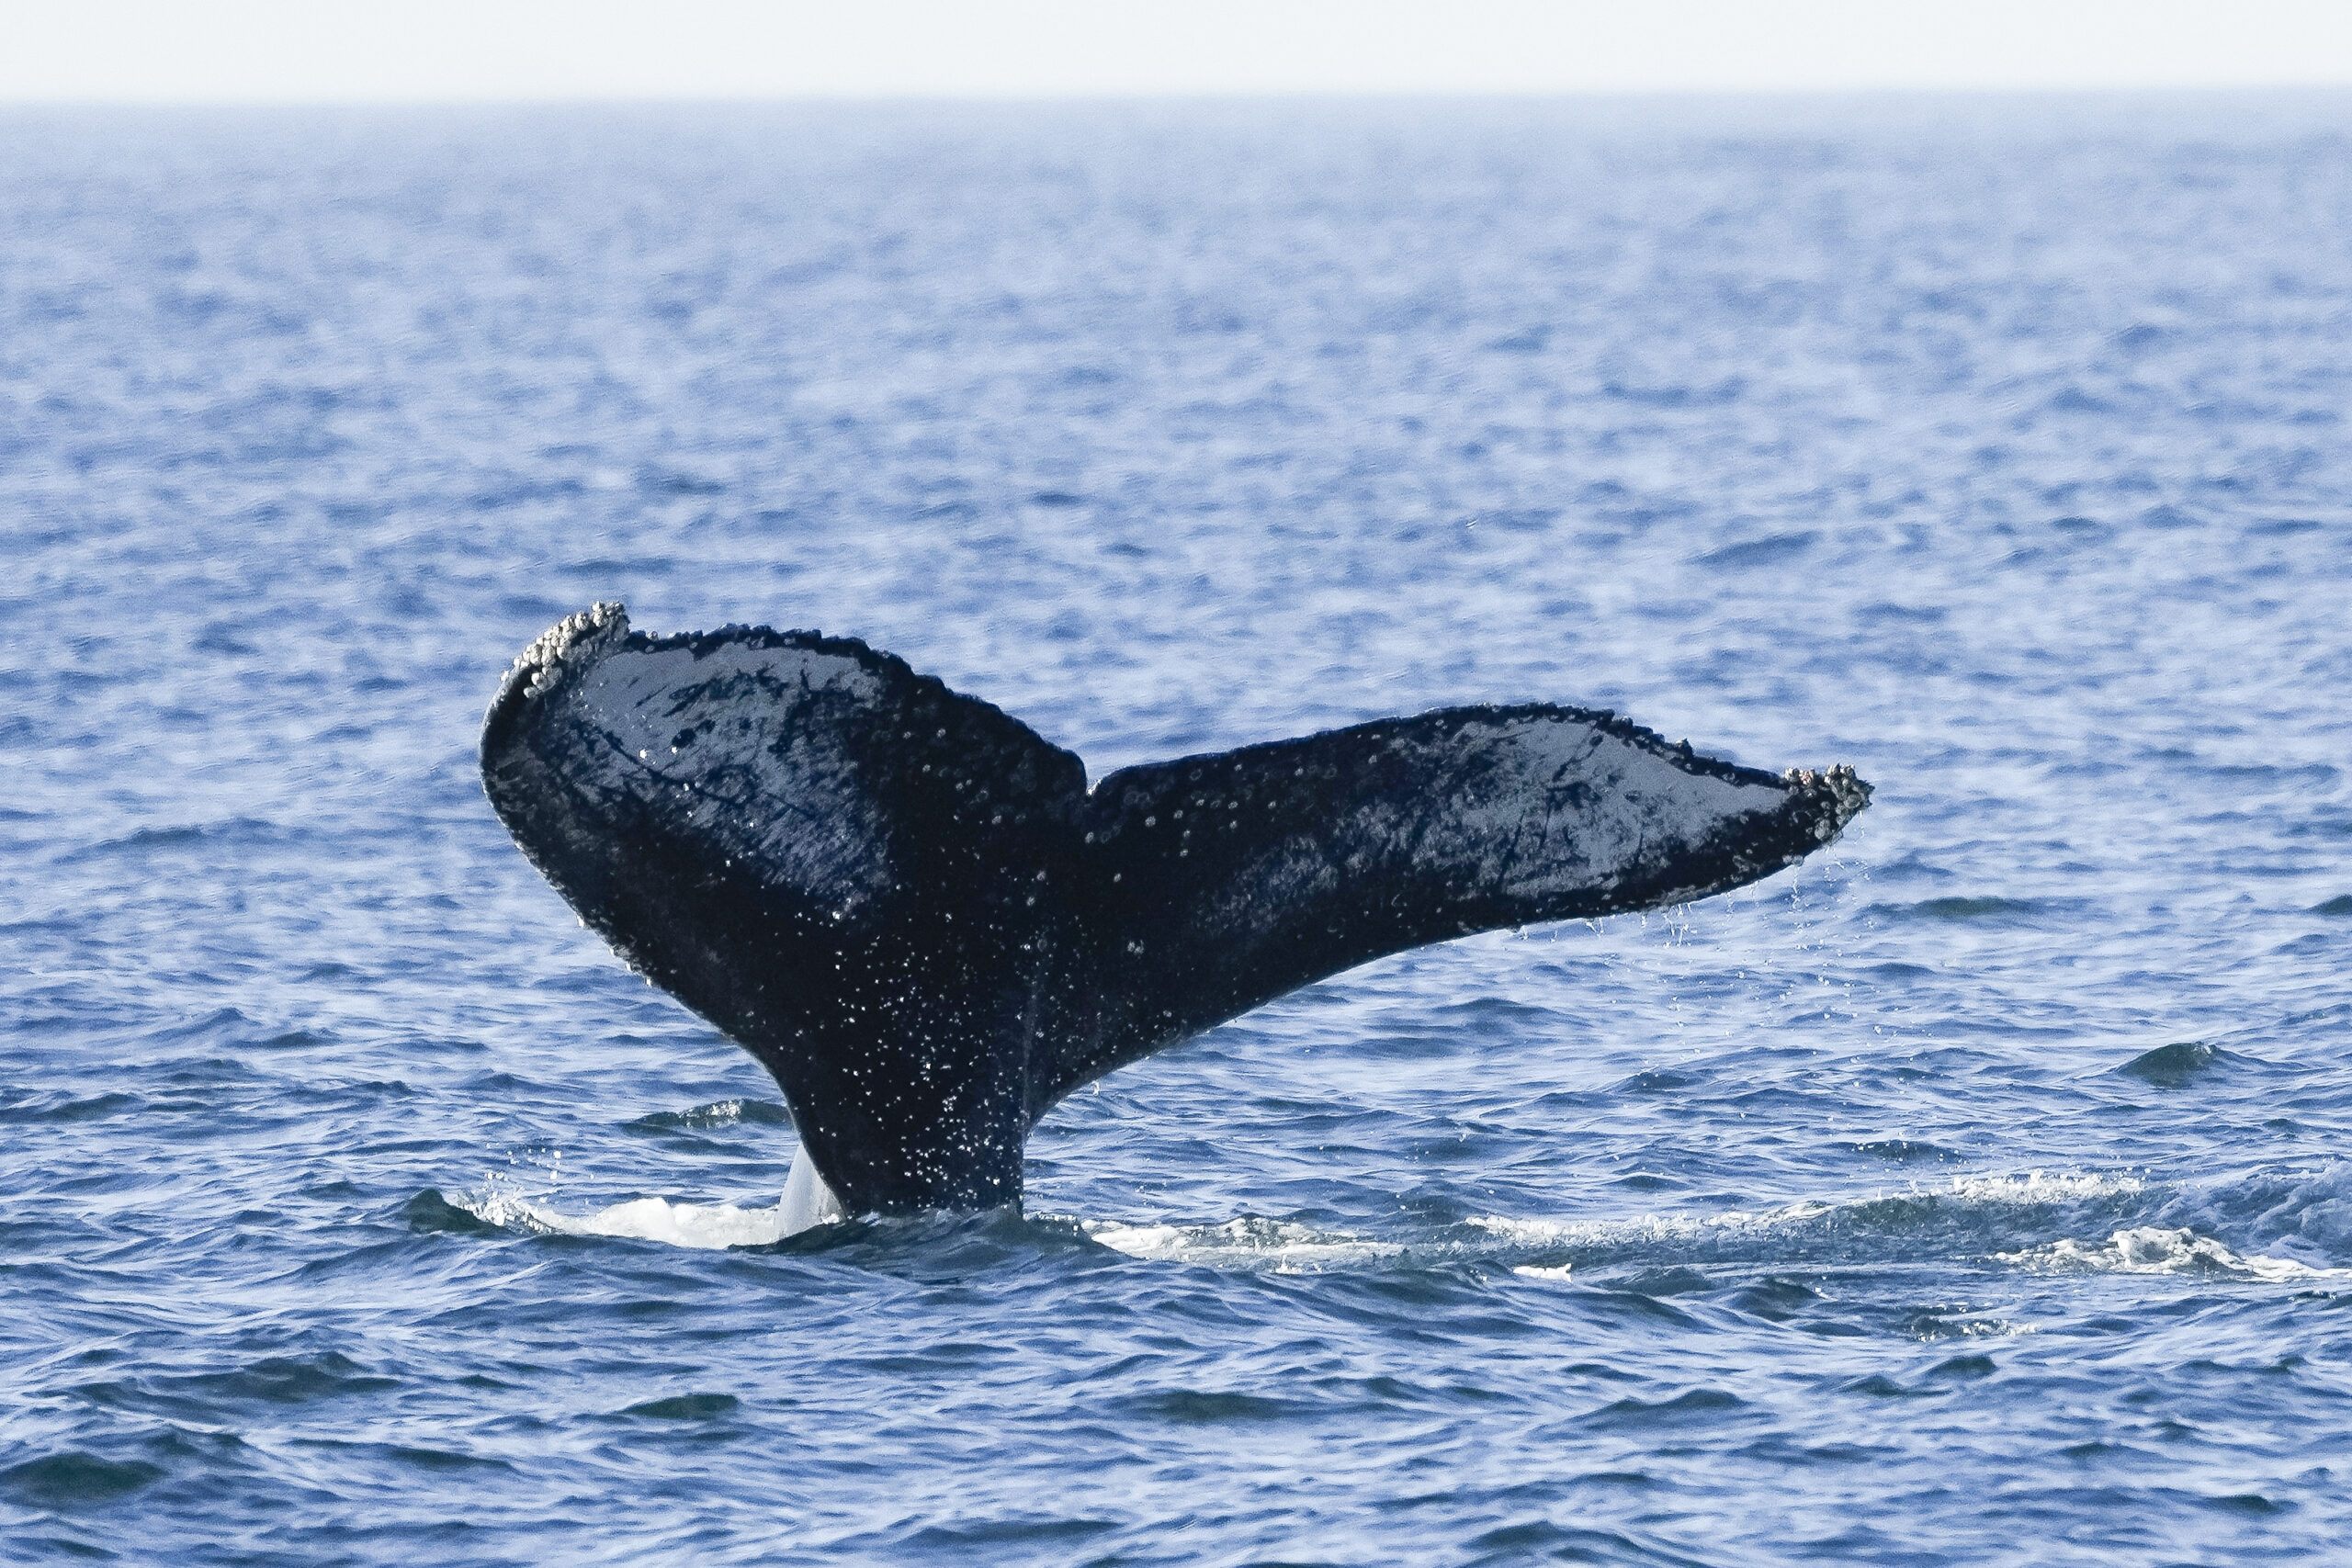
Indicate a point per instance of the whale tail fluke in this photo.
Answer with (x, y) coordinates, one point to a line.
(915, 913)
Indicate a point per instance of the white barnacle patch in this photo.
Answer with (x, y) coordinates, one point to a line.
(571, 642)
(1847, 795)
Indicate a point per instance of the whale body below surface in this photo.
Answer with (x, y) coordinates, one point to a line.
(917, 915)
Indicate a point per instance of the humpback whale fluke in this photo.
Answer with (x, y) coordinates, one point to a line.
(916, 914)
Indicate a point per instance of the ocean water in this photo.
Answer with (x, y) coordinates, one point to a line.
(1979, 1192)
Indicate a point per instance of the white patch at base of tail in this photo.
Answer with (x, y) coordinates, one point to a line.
(807, 1202)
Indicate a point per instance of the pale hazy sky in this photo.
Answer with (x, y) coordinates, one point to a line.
(346, 51)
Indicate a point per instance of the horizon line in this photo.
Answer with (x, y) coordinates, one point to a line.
(803, 97)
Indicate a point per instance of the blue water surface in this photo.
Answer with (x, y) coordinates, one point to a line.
(1978, 1192)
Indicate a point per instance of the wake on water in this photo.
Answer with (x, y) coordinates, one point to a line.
(2018, 1220)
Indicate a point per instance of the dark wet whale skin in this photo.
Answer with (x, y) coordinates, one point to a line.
(915, 912)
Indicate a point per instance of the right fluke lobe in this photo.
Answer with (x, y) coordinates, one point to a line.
(915, 912)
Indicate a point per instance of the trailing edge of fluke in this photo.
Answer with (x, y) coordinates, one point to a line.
(918, 916)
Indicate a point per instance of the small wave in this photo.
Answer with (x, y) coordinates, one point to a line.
(1752, 553)
(707, 1226)
(2178, 1064)
(1281, 1246)
(2152, 1249)
(291, 1380)
(1598, 1233)
(2044, 1187)
(717, 1113)
(2304, 1214)
(235, 831)
(1902, 1151)
(94, 1108)
(1986, 908)
(686, 1407)
(2020, 1189)
(73, 1478)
